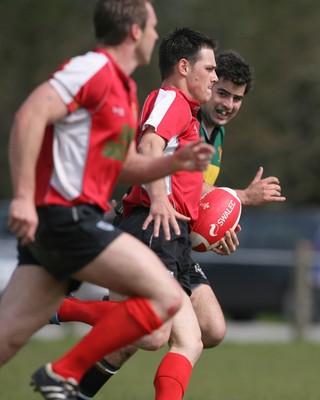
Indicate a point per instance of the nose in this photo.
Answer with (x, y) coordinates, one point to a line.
(214, 78)
(228, 103)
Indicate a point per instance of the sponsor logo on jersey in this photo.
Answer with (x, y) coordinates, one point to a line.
(118, 110)
(118, 148)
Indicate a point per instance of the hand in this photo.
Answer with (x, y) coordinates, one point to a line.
(163, 214)
(261, 191)
(23, 220)
(194, 156)
(110, 215)
(229, 243)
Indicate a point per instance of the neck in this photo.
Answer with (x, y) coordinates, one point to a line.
(124, 56)
(209, 127)
(177, 84)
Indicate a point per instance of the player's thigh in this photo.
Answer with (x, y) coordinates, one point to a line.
(209, 314)
(114, 296)
(129, 267)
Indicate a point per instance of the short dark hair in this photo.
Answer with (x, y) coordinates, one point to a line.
(232, 67)
(182, 43)
(113, 18)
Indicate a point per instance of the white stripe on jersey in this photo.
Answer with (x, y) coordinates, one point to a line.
(72, 133)
(163, 102)
(75, 73)
(70, 142)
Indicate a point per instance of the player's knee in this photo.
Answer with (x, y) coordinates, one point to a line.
(172, 302)
(213, 336)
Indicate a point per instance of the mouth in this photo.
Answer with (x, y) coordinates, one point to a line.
(221, 112)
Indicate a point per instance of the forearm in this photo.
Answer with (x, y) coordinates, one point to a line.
(143, 169)
(149, 166)
(157, 190)
(243, 196)
(149, 163)
(207, 188)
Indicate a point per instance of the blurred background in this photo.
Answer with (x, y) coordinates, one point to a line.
(277, 127)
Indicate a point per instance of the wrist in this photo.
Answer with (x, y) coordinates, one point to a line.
(243, 196)
(176, 163)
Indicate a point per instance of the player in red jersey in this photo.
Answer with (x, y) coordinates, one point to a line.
(161, 213)
(70, 142)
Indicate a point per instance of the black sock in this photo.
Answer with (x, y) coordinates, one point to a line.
(95, 378)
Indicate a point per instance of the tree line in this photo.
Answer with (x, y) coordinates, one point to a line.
(278, 125)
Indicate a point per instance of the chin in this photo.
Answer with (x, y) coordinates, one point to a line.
(219, 122)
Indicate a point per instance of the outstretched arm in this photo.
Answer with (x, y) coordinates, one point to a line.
(261, 191)
(141, 168)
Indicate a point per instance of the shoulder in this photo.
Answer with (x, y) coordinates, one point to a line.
(82, 67)
(93, 69)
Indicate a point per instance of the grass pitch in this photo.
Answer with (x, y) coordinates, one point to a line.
(232, 371)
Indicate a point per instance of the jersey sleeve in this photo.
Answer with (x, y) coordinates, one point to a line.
(84, 81)
(169, 115)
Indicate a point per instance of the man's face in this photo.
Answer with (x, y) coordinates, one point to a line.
(148, 37)
(201, 76)
(225, 103)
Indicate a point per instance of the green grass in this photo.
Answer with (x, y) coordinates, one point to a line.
(232, 371)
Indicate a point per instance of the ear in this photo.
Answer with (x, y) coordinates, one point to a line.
(183, 66)
(135, 32)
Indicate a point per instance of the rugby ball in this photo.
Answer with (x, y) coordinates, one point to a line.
(219, 211)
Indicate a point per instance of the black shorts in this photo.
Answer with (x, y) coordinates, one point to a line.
(67, 239)
(174, 253)
(197, 276)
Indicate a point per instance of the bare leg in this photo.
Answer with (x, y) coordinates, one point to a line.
(111, 269)
(209, 315)
(30, 298)
(173, 374)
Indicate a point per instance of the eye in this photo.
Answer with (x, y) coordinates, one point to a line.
(237, 99)
(223, 94)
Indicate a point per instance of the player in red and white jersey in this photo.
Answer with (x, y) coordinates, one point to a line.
(83, 152)
(172, 114)
(70, 141)
(160, 213)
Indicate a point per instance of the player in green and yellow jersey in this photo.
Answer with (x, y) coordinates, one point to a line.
(235, 81)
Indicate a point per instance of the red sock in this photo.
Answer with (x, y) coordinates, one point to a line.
(88, 311)
(126, 322)
(172, 377)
